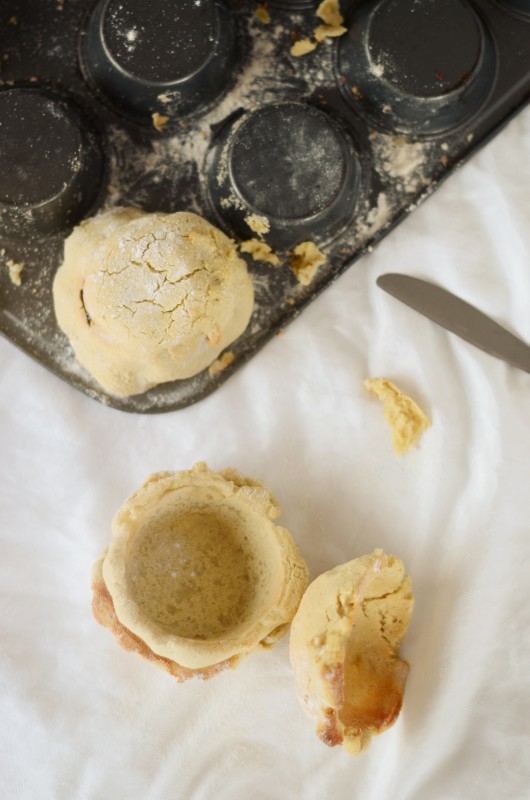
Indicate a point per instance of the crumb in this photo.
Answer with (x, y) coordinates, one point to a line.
(221, 363)
(306, 258)
(302, 47)
(356, 92)
(12, 21)
(159, 121)
(404, 416)
(259, 251)
(258, 224)
(322, 32)
(329, 12)
(262, 14)
(15, 272)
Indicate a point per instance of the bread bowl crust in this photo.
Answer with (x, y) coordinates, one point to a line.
(344, 647)
(104, 613)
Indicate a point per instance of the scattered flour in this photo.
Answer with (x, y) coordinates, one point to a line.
(397, 158)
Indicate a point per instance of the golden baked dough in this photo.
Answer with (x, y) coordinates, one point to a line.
(302, 47)
(197, 571)
(306, 258)
(150, 298)
(258, 223)
(344, 648)
(221, 363)
(260, 251)
(329, 12)
(404, 416)
(15, 271)
(104, 613)
(159, 121)
(262, 14)
(323, 32)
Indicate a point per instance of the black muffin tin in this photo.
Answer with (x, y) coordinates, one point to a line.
(197, 105)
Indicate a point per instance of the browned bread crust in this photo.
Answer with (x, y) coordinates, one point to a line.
(345, 642)
(103, 610)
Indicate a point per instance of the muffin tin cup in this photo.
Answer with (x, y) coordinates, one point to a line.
(51, 163)
(422, 70)
(164, 58)
(289, 164)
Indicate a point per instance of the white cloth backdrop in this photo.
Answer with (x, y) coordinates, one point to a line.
(80, 718)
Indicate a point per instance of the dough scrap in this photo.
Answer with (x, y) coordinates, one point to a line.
(260, 251)
(302, 47)
(258, 223)
(329, 12)
(197, 571)
(305, 260)
(221, 363)
(15, 271)
(150, 298)
(404, 416)
(262, 14)
(160, 121)
(323, 32)
(344, 648)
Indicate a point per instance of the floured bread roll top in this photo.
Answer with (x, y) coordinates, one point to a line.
(344, 647)
(150, 298)
(197, 573)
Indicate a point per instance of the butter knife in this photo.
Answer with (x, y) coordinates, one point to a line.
(457, 316)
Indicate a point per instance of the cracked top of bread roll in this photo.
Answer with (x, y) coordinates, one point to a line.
(198, 570)
(150, 298)
(344, 649)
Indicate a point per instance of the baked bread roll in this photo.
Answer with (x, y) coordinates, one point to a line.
(197, 574)
(344, 649)
(150, 298)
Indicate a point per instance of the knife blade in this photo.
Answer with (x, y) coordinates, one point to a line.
(457, 316)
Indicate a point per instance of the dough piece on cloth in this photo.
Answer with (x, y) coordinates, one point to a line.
(197, 574)
(404, 416)
(150, 298)
(344, 648)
